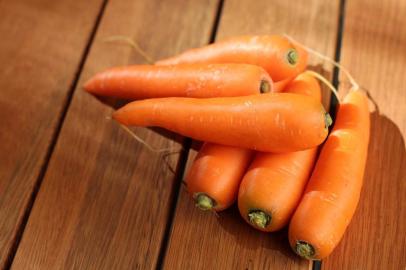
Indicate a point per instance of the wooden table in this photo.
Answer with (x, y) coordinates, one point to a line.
(76, 192)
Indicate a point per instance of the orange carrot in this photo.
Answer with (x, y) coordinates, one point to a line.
(212, 180)
(304, 84)
(187, 80)
(279, 86)
(272, 186)
(276, 54)
(271, 123)
(333, 191)
(274, 183)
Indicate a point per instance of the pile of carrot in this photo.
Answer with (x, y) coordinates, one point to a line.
(266, 134)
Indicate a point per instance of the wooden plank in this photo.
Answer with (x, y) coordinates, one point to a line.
(105, 198)
(42, 43)
(201, 240)
(373, 49)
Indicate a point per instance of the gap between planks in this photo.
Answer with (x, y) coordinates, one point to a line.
(337, 57)
(54, 139)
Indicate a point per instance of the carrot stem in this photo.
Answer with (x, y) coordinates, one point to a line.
(204, 202)
(265, 87)
(259, 218)
(304, 249)
(292, 57)
(328, 119)
(354, 84)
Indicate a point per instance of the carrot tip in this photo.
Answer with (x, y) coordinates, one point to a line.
(292, 57)
(304, 250)
(204, 202)
(88, 86)
(259, 218)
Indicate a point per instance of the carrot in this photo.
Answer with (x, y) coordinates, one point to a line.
(271, 123)
(215, 175)
(276, 54)
(272, 186)
(333, 191)
(279, 86)
(304, 84)
(187, 80)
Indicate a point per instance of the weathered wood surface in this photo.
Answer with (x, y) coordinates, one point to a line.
(41, 47)
(105, 199)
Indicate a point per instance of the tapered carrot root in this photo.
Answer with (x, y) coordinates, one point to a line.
(269, 123)
(189, 80)
(215, 175)
(333, 191)
(276, 54)
(274, 183)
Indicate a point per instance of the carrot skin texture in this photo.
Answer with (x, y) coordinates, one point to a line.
(213, 175)
(304, 84)
(274, 183)
(268, 51)
(270, 123)
(333, 191)
(279, 86)
(188, 80)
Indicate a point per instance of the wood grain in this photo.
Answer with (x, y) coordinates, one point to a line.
(374, 50)
(41, 47)
(105, 199)
(203, 241)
